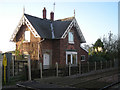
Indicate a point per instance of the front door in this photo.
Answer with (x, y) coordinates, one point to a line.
(46, 61)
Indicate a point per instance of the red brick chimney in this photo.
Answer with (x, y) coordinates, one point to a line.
(44, 13)
(52, 16)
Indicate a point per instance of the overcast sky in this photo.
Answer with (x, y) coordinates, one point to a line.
(94, 18)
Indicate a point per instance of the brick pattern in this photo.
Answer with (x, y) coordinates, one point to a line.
(56, 51)
(55, 48)
(64, 45)
(30, 47)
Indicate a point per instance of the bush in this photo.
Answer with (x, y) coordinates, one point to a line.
(96, 58)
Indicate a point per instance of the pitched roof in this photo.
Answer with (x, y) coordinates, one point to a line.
(45, 27)
(42, 26)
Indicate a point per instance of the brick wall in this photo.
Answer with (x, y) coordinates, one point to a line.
(64, 45)
(46, 47)
(30, 47)
(83, 52)
(56, 51)
(55, 48)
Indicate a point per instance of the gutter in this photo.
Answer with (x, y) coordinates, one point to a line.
(41, 41)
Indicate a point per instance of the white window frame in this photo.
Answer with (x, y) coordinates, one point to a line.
(27, 37)
(71, 42)
(71, 53)
(84, 57)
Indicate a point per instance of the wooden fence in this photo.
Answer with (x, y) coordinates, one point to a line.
(19, 66)
(71, 70)
(18, 69)
(21, 69)
(24, 67)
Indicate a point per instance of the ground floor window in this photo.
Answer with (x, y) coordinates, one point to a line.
(71, 57)
(82, 57)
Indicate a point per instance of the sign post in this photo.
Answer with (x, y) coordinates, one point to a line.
(0, 71)
(4, 64)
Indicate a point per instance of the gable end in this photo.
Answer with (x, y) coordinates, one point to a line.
(31, 27)
(24, 21)
(74, 23)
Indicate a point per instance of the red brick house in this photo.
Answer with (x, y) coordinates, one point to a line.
(49, 40)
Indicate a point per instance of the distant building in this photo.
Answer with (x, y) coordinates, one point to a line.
(50, 40)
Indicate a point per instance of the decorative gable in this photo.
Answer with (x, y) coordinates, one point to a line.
(75, 24)
(24, 21)
(45, 28)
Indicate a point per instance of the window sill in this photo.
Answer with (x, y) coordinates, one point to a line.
(26, 41)
(71, 42)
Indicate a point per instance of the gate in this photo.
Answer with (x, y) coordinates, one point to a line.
(19, 66)
(19, 69)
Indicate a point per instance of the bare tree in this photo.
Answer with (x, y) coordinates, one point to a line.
(110, 43)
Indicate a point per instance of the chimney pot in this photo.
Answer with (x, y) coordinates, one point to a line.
(52, 16)
(44, 13)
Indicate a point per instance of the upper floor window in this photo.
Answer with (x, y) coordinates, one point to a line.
(27, 36)
(71, 37)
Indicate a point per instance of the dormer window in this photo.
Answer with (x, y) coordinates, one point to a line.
(71, 37)
(27, 36)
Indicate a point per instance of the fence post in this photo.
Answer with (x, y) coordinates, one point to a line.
(114, 63)
(13, 65)
(88, 66)
(18, 67)
(69, 69)
(95, 66)
(79, 68)
(29, 67)
(106, 64)
(23, 64)
(57, 69)
(110, 64)
(40, 70)
(101, 64)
